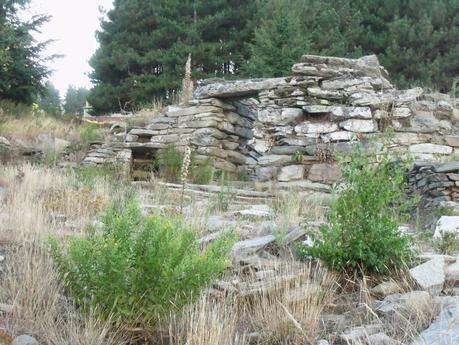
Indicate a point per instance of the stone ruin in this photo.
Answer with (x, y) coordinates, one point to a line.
(288, 129)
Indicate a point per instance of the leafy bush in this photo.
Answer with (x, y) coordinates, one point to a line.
(89, 133)
(202, 173)
(170, 163)
(137, 268)
(363, 220)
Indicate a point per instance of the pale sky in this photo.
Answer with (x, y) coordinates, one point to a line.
(73, 25)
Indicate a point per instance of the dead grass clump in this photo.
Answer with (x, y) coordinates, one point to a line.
(207, 322)
(65, 201)
(290, 313)
(39, 305)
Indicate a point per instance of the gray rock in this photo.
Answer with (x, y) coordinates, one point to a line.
(291, 172)
(265, 173)
(24, 340)
(446, 224)
(237, 88)
(447, 167)
(444, 330)
(317, 109)
(324, 172)
(248, 247)
(256, 211)
(406, 304)
(401, 112)
(322, 342)
(274, 160)
(342, 112)
(431, 149)
(430, 276)
(452, 140)
(315, 127)
(359, 126)
(357, 335)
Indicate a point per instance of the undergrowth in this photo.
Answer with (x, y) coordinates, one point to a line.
(137, 269)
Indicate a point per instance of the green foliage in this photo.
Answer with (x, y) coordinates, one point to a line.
(447, 244)
(22, 66)
(49, 100)
(89, 174)
(416, 40)
(363, 221)
(298, 155)
(221, 201)
(89, 133)
(170, 163)
(9, 108)
(280, 39)
(144, 46)
(137, 269)
(203, 172)
(75, 100)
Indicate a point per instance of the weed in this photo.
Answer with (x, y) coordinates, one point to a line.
(137, 268)
(364, 218)
(448, 243)
(170, 163)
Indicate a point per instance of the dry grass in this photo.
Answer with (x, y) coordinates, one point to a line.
(29, 128)
(39, 201)
(207, 322)
(28, 281)
(290, 313)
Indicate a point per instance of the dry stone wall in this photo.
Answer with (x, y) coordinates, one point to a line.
(288, 129)
(436, 184)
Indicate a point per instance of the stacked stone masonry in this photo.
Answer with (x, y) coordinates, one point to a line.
(436, 184)
(288, 129)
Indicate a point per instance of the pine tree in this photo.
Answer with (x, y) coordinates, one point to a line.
(75, 100)
(144, 45)
(49, 100)
(280, 40)
(291, 28)
(22, 67)
(416, 40)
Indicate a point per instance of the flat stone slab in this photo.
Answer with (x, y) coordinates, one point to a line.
(248, 247)
(447, 167)
(430, 276)
(257, 211)
(444, 330)
(237, 88)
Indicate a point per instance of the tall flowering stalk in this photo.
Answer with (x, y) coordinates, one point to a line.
(187, 83)
(184, 173)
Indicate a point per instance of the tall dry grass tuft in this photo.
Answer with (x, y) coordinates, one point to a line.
(39, 305)
(207, 322)
(40, 200)
(28, 280)
(290, 312)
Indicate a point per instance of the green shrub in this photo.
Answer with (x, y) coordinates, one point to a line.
(137, 268)
(363, 220)
(89, 133)
(170, 163)
(221, 201)
(203, 172)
